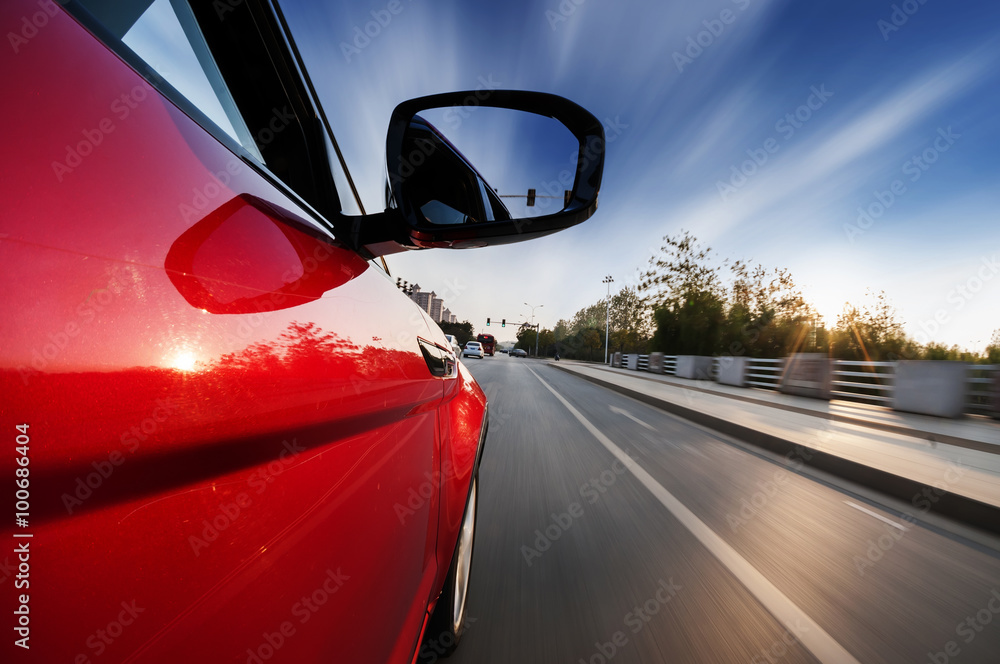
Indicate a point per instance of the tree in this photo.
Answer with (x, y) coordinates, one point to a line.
(992, 354)
(630, 321)
(590, 340)
(682, 268)
(526, 338)
(690, 327)
(561, 330)
(585, 344)
(592, 316)
(769, 316)
(687, 293)
(872, 332)
(546, 343)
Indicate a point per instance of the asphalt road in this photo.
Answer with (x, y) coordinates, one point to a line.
(686, 547)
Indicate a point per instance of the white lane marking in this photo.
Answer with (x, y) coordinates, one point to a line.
(622, 411)
(795, 620)
(877, 516)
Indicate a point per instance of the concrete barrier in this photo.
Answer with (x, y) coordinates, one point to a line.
(931, 387)
(733, 370)
(631, 361)
(807, 375)
(696, 367)
(616, 360)
(656, 363)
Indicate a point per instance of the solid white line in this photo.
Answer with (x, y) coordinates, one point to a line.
(795, 620)
(622, 411)
(877, 516)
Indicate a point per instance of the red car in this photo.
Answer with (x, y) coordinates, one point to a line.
(229, 437)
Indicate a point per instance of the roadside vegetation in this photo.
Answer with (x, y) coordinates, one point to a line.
(689, 303)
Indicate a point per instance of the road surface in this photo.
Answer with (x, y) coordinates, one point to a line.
(610, 531)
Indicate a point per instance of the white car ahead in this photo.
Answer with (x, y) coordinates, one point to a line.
(454, 344)
(473, 349)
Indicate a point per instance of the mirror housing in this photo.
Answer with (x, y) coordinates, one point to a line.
(404, 225)
(250, 256)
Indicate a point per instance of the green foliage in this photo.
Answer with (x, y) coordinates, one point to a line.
(592, 316)
(586, 344)
(546, 343)
(992, 354)
(936, 351)
(684, 307)
(692, 326)
(761, 314)
(768, 315)
(631, 322)
(682, 268)
(871, 332)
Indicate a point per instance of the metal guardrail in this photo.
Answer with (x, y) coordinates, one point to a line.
(669, 363)
(858, 381)
(865, 382)
(980, 383)
(764, 372)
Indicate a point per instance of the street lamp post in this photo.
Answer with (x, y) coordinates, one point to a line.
(607, 319)
(537, 306)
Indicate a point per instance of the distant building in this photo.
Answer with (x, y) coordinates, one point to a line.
(422, 299)
(437, 306)
(433, 305)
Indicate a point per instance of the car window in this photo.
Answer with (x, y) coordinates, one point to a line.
(231, 70)
(165, 35)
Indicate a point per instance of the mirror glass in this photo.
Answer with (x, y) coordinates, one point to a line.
(471, 164)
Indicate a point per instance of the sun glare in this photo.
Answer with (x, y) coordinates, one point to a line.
(183, 361)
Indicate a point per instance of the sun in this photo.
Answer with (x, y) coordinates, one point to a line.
(183, 361)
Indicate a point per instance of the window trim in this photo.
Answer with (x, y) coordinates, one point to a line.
(332, 225)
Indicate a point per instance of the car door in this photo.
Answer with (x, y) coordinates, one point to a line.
(224, 407)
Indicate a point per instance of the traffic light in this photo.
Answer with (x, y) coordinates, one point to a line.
(487, 322)
(503, 323)
(531, 198)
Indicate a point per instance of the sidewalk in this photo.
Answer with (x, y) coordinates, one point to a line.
(951, 467)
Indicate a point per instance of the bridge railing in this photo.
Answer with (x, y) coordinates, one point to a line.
(858, 381)
(865, 382)
(764, 372)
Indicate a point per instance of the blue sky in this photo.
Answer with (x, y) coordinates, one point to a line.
(828, 109)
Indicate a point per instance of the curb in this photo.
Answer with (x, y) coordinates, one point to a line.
(952, 505)
(930, 437)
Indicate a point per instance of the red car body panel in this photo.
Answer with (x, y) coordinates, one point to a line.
(229, 413)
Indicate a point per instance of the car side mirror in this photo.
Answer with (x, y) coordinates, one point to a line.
(473, 169)
(250, 256)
